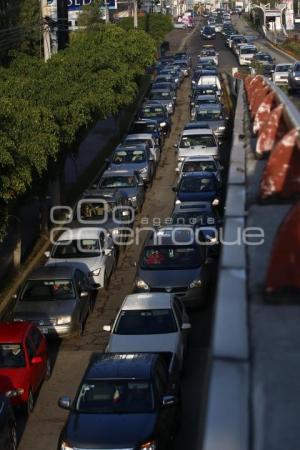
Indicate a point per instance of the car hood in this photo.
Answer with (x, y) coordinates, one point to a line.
(108, 430)
(197, 151)
(169, 278)
(143, 343)
(85, 264)
(39, 310)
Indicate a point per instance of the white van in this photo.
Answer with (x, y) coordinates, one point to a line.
(246, 53)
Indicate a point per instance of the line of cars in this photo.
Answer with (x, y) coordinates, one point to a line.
(135, 386)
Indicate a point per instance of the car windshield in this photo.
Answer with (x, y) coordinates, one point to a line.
(205, 99)
(11, 356)
(282, 68)
(193, 218)
(76, 248)
(264, 57)
(47, 290)
(129, 156)
(206, 91)
(209, 114)
(164, 95)
(143, 127)
(208, 53)
(118, 181)
(199, 166)
(197, 139)
(196, 184)
(208, 30)
(150, 321)
(155, 111)
(297, 68)
(115, 397)
(171, 257)
(247, 51)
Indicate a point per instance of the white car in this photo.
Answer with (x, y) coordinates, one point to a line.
(211, 80)
(150, 322)
(246, 54)
(144, 138)
(281, 72)
(197, 142)
(90, 249)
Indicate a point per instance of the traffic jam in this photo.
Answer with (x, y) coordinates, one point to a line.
(134, 387)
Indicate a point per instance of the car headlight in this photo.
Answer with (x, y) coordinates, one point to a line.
(133, 199)
(181, 158)
(216, 202)
(63, 320)
(193, 82)
(196, 283)
(14, 393)
(141, 284)
(221, 128)
(151, 445)
(163, 124)
(170, 106)
(96, 272)
(65, 446)
(144, 170)
(178, 202)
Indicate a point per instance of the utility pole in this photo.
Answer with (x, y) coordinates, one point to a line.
(106, 12)
(45, 30)
(135, 14)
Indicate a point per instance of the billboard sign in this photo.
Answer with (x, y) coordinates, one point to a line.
(76, 5)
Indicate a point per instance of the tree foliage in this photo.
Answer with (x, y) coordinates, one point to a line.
(157, 25)
(43, 106)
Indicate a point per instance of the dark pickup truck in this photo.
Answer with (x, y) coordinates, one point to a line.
(128, 401)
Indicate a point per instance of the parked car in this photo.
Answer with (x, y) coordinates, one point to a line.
(281, 73)
(214, 115)
(136, 158)
(208, 32)
(57, 299)
(173, 260)
(127, 181)
(150, 322)
(197, 142)
(158, 113)
(8, 427)
(24, 364)
(198, 187)
(294, 77)
(89, 249)
(205, 89)
(164, 96)
(123, 402)
(201, 164)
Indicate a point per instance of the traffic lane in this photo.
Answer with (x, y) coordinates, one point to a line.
(45, 424)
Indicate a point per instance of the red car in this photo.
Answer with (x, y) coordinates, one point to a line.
(24, 362)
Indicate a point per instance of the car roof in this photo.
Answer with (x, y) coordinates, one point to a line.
(200, 174)
(198, 158)
(192, 206)
(209, 106)
(57, 271)
(121, 366)
(79, 233)
(157, 300)
(197, 131)
(13, 332)
(112, 173)
(132, 136)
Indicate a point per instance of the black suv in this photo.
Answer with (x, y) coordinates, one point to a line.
(124, 401)
(8, 432)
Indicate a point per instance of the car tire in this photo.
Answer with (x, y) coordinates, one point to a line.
(13, 439)
(30, 403)
(105, 281)
(48, 370)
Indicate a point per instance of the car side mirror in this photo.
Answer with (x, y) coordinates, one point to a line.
(47, 254)
(36, 360)
(84, 294)
(168, 400)
(64, 402)
(107, 328)
(186, 326)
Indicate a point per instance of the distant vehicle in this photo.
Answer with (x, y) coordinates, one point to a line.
(127, 181)
(201, 164)
(165, 97)
(294, 77)
(150, 322)
(214, 115)
(24, 364)
(281, 73)
(124, 401)
(210, 54)
(57, 299)
(144, 139)
(211, 80)
(173, 261)
(265, 63)
(205, 89)
(246, 54)
(202, 100)
(89, 249)
(8, 427)
(197, 142)
(158, 113)
(208, 33)
(148, 126)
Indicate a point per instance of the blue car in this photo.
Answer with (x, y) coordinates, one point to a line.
(197, 187)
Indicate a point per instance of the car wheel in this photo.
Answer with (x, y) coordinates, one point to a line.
(13, 440)
(30, 403)
(105, 281)
(48, 370)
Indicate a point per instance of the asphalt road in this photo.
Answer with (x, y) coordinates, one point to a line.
(70, 357)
